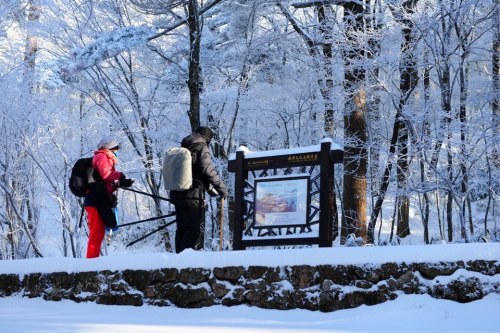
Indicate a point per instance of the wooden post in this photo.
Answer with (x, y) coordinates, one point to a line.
(325, 221)
(221, 224)
(239, 201)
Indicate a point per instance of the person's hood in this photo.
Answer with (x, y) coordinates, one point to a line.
(192, 140)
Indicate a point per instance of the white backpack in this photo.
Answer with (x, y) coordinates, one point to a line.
(177, 169)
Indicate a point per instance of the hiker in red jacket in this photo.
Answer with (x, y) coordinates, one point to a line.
(100, 201)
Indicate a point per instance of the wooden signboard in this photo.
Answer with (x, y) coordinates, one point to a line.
(283, 202)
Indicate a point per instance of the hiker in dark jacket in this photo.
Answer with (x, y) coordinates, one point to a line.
(189, 204)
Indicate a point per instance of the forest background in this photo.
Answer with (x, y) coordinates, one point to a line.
(410, 89)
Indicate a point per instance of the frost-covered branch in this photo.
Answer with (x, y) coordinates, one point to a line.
(113, 43)
(107, 46)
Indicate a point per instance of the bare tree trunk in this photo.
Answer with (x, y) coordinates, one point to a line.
(393, 219)
(355, 157)
(441, 228)
(324, 13)
(195, 83)
(469, 208)
(326, 84)
(496, 85)
(449, 202)
(244, 77)
(490, 194)
(408, 81)
(384, 185)
(425, 139)
(374, 25)
(446, 95)
(31, 44)
(463, 79)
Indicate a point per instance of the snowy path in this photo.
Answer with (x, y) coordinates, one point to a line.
(408, 313)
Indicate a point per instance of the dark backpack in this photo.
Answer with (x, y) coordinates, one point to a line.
(78, 183)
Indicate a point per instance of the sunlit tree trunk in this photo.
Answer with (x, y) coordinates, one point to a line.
(355, 157)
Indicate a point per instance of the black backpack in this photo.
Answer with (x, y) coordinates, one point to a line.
(78, 183)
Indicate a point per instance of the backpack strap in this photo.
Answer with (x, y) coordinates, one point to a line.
(195, 151)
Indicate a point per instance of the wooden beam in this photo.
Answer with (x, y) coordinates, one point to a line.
(311, 3)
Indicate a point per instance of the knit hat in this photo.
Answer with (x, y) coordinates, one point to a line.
(206, 133)
(108, 144)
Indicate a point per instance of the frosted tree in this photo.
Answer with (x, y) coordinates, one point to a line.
(19, 177)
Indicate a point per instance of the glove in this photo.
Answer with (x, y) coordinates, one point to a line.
(223, 193)
(212, 192)
(127, 182)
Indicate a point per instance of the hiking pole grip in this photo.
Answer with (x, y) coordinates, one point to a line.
(109, 237)
(221, 223)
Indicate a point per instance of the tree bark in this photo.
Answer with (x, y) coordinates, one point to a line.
(408, 81)
(355, 157)
(425, 139)
(495, 105)
(373, 22)
(462, 116)
(195, 84)
(326, 83)
(31, 44)
(449, 202)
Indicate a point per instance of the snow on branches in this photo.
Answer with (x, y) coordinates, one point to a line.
(108, 45)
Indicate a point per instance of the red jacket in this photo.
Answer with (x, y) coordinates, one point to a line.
(104, 161)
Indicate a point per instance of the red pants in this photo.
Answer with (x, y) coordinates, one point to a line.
(96, 232)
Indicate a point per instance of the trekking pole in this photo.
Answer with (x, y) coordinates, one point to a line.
(81, 217)
(140, 192)
(221, 223)
(149, 234)
(146, 220)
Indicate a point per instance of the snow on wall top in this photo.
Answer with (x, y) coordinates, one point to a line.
(271, 258)
(281, 152)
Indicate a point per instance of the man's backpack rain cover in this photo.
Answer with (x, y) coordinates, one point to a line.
(177, 169)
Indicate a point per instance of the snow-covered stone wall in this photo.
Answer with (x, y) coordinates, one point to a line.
(319, 287)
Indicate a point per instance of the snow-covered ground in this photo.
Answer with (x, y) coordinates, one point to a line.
(408, 313)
